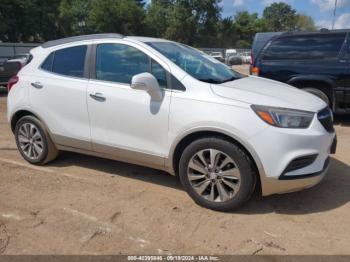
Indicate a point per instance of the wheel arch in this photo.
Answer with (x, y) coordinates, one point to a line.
(18, 115)
(324, 84)
(25, 112)
(189, 137)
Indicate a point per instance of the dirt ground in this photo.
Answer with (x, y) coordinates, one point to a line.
(86, 205)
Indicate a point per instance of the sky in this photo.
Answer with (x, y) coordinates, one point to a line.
(320, 10)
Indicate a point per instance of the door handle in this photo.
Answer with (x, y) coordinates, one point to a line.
(37, 85)
(98, 97)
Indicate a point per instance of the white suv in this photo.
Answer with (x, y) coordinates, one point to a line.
(168, 106)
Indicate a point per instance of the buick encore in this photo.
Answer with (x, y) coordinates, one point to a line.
(168, 106)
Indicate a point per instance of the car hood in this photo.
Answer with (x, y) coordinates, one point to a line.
(262, 91)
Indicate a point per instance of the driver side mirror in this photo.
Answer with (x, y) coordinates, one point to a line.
(148, 83)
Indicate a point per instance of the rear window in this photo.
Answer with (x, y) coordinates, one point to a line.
(68, 61)
(305, 47)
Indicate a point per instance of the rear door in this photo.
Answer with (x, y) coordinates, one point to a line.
(58, 96)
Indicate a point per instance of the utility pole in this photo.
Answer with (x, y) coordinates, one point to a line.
(334, 13)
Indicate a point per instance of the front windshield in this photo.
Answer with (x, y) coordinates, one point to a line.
(198, 64)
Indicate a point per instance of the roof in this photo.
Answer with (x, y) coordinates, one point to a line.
(322, 31)
(79, 38)
(147, 39)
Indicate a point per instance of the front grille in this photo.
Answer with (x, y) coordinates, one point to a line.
(326, 118)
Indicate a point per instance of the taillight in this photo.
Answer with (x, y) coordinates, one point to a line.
(13, 80)
(251, 58)
(255, 71)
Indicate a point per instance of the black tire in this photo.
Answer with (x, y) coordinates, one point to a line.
(319, 94)
(49, 150)
(243, 162)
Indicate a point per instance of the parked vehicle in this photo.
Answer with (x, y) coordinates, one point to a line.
(260, 40)
(218, 56)
(168, 106)
(317, 62)
(235, 60)
(247, 57)
(230, 52)
(11, 66)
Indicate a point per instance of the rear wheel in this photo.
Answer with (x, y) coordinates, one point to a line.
(33, 141)
(217, 174)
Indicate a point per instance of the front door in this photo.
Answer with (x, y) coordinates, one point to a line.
(127, 123)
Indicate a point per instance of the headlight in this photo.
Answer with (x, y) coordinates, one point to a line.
(284, 117)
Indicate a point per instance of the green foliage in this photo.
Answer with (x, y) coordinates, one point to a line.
(193, 22)
(304, 23)
(28, 20)
(158, 17)
(73, 16)
(116, 16)
(280, 17)
(227, 36)
(246, 26)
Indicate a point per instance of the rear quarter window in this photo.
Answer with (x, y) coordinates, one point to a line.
(305, 47)
(47, 65)
(67, 61)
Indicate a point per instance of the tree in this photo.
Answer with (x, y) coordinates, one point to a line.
(246, 26)
(119, 16)
(73, 16)
(158, 16)
(10, 26)
(194, 22)
(227, 36)
(28, 20)
(140, 3)
(304, 23)
(280, 17)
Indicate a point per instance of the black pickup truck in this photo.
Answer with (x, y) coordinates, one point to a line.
(318, 62)
(10, 67)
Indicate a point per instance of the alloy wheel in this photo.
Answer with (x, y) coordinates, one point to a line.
(30, 141)
(214, 175)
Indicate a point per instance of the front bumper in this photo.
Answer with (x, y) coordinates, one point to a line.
(278, 147)
(277, 186)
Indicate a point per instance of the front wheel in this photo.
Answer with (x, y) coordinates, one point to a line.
(217, 174)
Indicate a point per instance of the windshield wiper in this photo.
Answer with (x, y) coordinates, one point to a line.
(210, 80)
(214, 81)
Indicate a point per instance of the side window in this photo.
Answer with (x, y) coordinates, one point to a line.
(47, 65)
(159, 72)
(176, 84)
(305, 47)
(70, 61)
(119, 63)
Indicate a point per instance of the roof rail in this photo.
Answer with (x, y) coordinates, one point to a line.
(79, 38)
